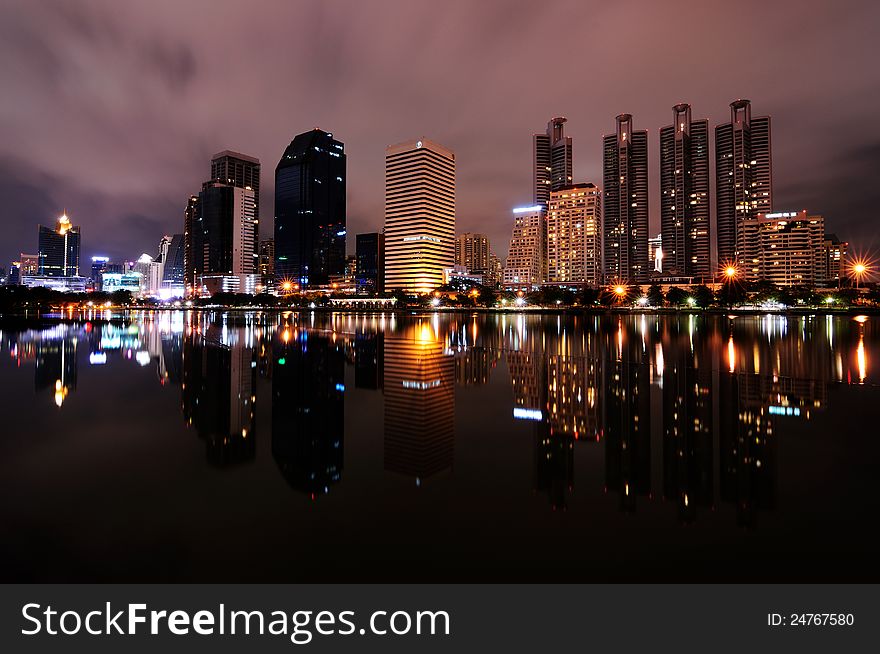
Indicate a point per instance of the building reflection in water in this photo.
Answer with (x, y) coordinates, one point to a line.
(308, 408)
(687, 408)
(419, 401)
(219, 392)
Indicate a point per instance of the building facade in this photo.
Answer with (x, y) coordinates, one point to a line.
(472, 252)
(743, 177)
(834, 255)
(240, 170)
(574, 238)
(552, 156)
(525, 255)
(224, 240)
(419, 215)
(310, 210)
(625, 203)
(684, 194)
(785, 248)
(370, 265)
(59, 249)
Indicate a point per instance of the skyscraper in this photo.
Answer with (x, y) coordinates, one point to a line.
(189, 258)
(310, 209)
(743, 177)
(239, 170)
(267, 262)
(684, 194)
(370, 267)
(419, 215)
(553, 160)
(59, 249)
(574, 236)
(625, 172)
(224, 240)
(173, 271)
(472, 252)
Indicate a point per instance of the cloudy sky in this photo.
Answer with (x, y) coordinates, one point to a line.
(112, 110)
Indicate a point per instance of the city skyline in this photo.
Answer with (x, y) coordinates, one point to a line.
(107, 58)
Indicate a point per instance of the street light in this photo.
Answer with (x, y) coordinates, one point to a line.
(859, 269)
(730, 272)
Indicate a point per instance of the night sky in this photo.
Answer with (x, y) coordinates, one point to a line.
(112, 110)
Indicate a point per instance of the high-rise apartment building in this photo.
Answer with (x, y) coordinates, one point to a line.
(224, 239)
(310, 210)
(472, 252)
(574, 238)
(684, 194)
(239, 170)
(59, 249)
(834, 255)
(785, 248)
(419, 215)
(552, 160)
(525, 256)
(743, 177)
(625, 203)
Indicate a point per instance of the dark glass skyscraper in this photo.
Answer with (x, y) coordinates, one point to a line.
(684, 194)
(189, 263)
(173, 272)
(370, 255)
(59, 249)
(743, 176)
(310, 210)
(625, 171)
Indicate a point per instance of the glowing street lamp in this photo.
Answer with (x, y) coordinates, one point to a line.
(730, 272)
(859, 270)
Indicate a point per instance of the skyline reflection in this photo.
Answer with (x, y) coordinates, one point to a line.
(685, 410)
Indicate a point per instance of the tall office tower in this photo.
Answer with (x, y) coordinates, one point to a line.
(573, 235)
(419, 215)
(310, 210)
(267, 262)
(625, 173)
(472, 252)
(189, 258)
(743, 176)
(370, 266)
(786, 248)
(525, 256)
(553, 160)
(59, 249)
(419, 379)
(684, 193)
(225, 239)
(173, 272)
(239, 170)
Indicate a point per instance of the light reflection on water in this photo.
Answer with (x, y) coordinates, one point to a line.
(696, 412)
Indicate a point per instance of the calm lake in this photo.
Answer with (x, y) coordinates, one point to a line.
(236, 446)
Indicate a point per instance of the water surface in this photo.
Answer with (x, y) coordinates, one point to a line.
(200, 446)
